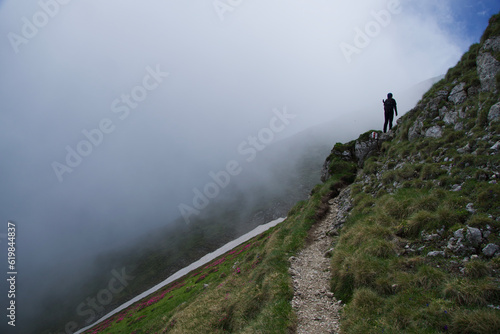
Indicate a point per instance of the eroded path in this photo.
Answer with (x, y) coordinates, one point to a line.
(316, 307)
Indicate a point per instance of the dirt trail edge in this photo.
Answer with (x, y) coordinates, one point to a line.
(317, 309)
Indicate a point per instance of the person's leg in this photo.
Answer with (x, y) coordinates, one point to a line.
(390, 118)
(386, 116)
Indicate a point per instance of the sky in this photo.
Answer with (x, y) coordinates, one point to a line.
(111, 113)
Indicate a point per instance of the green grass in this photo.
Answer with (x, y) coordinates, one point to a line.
(380, 267)
(247, 290)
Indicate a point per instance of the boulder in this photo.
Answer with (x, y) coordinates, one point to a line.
(415, 130)
(458, 94)
(487, 65)
(459, 234)
(474, 236)
(436, 253)
(494, 113)
(434, 132)
(450, 117)
(490, 250)
(364, 149)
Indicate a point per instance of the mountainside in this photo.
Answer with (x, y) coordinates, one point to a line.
(416, 246)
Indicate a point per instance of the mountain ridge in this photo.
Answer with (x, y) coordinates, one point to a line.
(418, 248)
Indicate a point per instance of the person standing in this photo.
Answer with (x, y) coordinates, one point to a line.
(390, 107)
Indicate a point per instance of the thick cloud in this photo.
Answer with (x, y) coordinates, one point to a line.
(89, 78)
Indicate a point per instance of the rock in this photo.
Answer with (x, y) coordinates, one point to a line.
(415, 130)
(364, 149)
(494, 113)
(465, 149)
(496, 147)
(472, 91)
(329, 253)
(450, 117)
(346, 155)
(432, 237)
(490, 250)
(434, 132)
(459, 234)
(436, 253)
(333, 233)
(456, 187)
(470, 208)
(474, 236)
(487, 65)
(443, 111)
(458, 94)
(492, 44)
(459, 126)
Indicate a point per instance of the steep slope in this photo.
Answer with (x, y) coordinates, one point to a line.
(417, 234)
(420, 250)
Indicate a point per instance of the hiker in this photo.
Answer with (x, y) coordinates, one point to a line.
(389, 108)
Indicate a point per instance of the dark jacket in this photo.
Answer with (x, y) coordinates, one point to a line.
(390, 106)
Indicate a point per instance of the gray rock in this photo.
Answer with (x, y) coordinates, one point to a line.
(491, 44)
(496, 147)
(494, 113)
(474, 236)
(490, 250)
(443, 111)
(436, 253)
(487, 68)
(364, 149)
(450, 117)
(346, 155)
(458, 94)
(432, 237)
(434, 132)
(456, 187)
(465, 149)
(442, 94)
(415, 130)
(459, 234)
(470, 208)
(459, 126)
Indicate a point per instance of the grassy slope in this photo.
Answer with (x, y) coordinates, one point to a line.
(405, 195)
(244, 291)
(247, 290)
(380, 265)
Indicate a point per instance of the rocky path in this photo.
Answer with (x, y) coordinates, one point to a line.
(316, 307)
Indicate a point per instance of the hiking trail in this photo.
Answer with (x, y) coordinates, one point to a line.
(316, 307)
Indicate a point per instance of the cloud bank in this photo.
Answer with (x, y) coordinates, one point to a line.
(112, 112)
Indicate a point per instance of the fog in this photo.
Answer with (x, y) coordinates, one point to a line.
(112, 112)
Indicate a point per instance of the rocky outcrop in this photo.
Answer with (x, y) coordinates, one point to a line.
(487, 65)
(458, 94)
(415, 130)
(494, 113)
(434, 132)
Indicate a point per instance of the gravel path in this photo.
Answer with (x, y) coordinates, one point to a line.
(316, 307)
